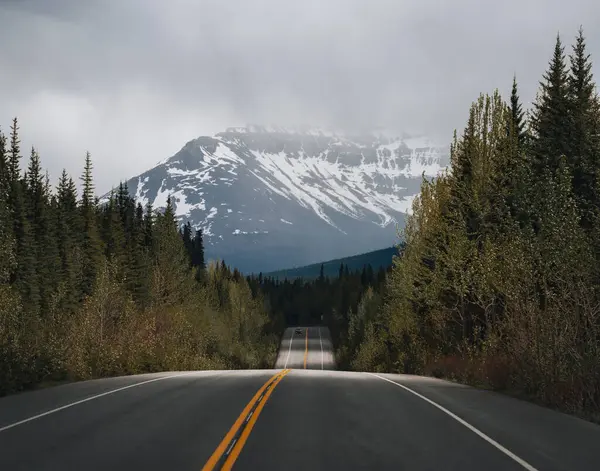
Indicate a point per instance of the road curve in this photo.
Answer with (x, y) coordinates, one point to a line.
(291, 417)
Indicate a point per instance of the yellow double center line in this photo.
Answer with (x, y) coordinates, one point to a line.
(230, 447)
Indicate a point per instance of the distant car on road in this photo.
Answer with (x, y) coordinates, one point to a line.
(298, 331)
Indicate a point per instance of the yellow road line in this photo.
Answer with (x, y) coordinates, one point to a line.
(306, 348)
(222, 448)
(246, 433)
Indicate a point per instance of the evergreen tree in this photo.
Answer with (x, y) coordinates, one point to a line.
(551, 118)
(92, 244)
(186, 236)
(7, 241)
(198, 250)
(148, 225)
(171, 280)
(517, 113)
(138, 262)
(113, 232)
(24, 275)
(68, 229)
(4, 175)
(14, 168)
(584, 142)
(45, 260)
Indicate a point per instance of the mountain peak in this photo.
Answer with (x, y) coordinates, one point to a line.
(268, 197)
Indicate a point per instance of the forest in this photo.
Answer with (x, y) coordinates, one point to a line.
(90, 289)
(496, 284)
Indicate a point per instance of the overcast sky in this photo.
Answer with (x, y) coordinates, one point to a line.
(133, 80)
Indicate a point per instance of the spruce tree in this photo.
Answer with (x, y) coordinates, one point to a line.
(551, 118)
(92, 244)
(148, 226)
(68, 229)
(7, 240)
(517, 113)
(198, 250)
(24, 275)
(4, 177)
(138, 279)
(186, 236)
(113, 232)
(170, 279)
(585, 131)
(14, 168)
(45, 261)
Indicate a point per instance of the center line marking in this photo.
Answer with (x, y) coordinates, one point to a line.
(230, 447)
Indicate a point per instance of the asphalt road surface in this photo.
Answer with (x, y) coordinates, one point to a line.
(302, 415)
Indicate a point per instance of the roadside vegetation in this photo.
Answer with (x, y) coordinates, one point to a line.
(90, 290)
(498, 280)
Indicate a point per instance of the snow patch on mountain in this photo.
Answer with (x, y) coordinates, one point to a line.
(349, 192)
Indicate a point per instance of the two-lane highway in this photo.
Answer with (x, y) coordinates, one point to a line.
(306, 348)
(302, 415)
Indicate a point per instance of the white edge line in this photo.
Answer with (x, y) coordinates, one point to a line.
(289, 349)
(66, 406)
(321, 342)
(493, 442)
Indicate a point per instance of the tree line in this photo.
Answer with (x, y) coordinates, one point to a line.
(499, 281)
(90, 289)
(325, 300)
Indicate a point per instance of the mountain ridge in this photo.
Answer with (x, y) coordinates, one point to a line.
(269, 197)
(377, 259)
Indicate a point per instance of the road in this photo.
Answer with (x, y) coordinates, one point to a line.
(298, 416)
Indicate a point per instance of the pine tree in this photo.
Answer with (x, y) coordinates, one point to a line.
(171, 280)
(126, 207)
(113, 232)
(551, 118)
(7, 240)
(186, 236)
(68, 228)
(4, 176)
(198, 250)
(14, 169)
(92, 244)
(138, 280)
(517, 113)
(45, 260)
(148, 226)
(584, 142)
(24, 275)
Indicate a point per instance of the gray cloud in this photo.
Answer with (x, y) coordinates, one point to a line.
(133, 80)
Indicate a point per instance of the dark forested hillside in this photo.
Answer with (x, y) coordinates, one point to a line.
(89, 290)
(376, 260)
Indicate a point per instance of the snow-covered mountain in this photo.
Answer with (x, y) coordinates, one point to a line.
(270, 197)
